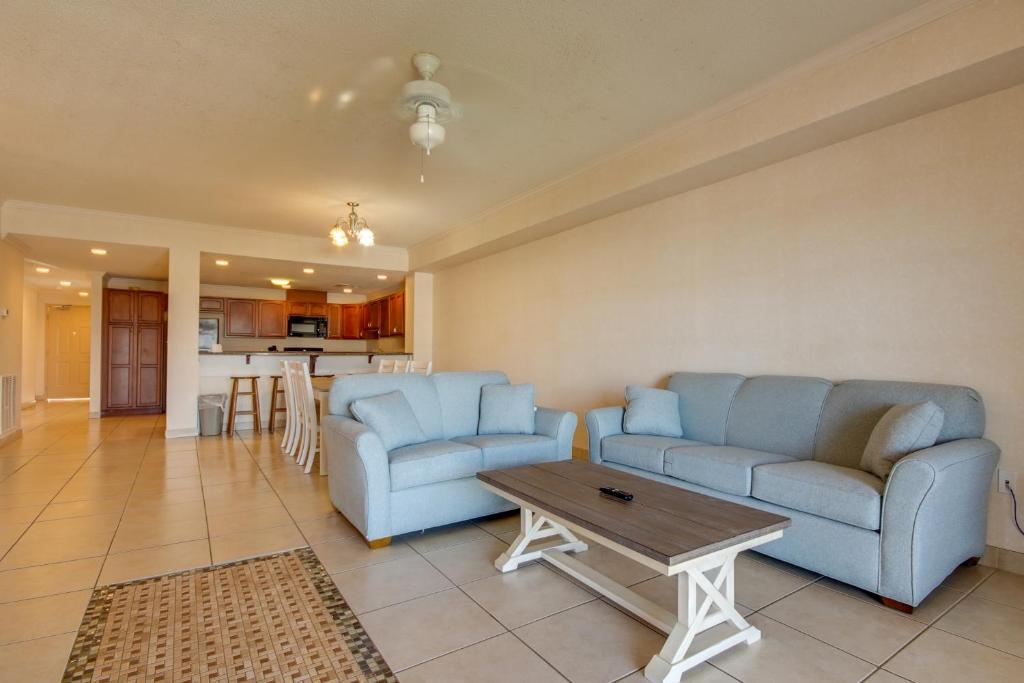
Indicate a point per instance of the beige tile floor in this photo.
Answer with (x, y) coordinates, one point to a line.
(89, 502)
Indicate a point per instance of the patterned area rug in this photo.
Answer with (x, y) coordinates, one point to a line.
(273, 618)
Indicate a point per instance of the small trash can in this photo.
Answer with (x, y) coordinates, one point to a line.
(211, 414)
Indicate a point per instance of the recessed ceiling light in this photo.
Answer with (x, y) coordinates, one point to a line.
(83, 294)
(42, 269)
(99, 252)
(221, 262)
(347, 290)
(308, 271)
(280, 281)
(382, 277)
(65, 283)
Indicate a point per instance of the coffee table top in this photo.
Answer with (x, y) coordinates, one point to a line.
(663, 522)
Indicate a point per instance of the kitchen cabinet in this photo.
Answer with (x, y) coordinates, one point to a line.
(134, 368)
(240, 318)
(272, 321)
(317, 309)
(351, 321)
(298, 308)
(396, 314)
(334, 323)
(371, 319)
(211, 304)
(385, 318)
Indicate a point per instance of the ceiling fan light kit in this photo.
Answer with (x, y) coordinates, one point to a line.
(430, 103)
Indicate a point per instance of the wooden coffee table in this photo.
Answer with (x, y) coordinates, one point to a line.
(672, 530)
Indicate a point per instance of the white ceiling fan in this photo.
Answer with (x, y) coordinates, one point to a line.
(429, 105)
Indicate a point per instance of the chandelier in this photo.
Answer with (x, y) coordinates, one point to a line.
(351, 228)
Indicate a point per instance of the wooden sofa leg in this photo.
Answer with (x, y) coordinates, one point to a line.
(379, 543)
(898, 606)
(971, 562)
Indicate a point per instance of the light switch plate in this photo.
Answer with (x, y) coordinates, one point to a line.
(4, 312)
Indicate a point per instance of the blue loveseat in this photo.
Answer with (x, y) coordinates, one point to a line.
(428, 484)
(793, 445)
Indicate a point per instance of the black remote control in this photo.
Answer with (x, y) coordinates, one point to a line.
(616, 493)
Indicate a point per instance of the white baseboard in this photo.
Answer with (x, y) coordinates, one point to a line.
(180, 433)
(10, 436)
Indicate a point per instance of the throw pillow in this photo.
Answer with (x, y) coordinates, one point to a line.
(507, 409)
(905, 428)
(654, 412)
(391, 417)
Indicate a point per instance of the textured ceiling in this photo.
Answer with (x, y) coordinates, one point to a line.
(272, 115)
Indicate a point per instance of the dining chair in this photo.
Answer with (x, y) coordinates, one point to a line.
(390, 366)
(419, 367)
(290, 443)
(310, 417)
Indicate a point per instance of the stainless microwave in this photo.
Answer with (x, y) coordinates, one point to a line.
(307, 326)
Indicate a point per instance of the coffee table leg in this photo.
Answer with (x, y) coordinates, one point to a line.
(535, 527)
(710, 584)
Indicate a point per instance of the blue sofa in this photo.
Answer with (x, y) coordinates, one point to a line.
(433, 483)
(792, 445)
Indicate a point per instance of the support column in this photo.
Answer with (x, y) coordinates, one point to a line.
(182, 342)
(97, 282)
(419, 316)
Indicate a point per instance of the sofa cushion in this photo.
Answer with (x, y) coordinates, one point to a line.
(459, 394)
(652, 411)
(419, 390)
(838, 493)
(512, 450)
(854, 407)
(641, 451)
(391, 417)
(704, 402)
(507, 409)
(723, 468)
(903, 429)
(777, 414)
(431, 462)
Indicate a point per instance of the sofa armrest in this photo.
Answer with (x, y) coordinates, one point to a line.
(359, 475)
(602, 422)
(559, 425)
(934, 512)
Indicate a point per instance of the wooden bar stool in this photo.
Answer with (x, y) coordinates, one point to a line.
(254, 395)
(275, 405)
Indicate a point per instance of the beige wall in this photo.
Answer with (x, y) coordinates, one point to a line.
(12, 273)
(894, 255)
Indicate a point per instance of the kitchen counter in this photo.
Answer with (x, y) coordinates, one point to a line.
(216, 369)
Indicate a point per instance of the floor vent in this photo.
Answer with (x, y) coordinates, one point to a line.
(8, 403)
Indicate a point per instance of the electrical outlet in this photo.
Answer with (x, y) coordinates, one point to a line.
(1004, 476)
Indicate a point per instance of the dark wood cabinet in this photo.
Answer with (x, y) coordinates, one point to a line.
(240, 318)
(272, 319)
(211, 304)
(351, 321)
(371, 319)
(396, 314)
(317, 309)
(385, 319)
(119, 305)
(334, 321)
(134, 352)
(298, 308)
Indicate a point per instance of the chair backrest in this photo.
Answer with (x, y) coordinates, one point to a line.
(419, 367)
(391, 366)
(459, 393)
(305, 391)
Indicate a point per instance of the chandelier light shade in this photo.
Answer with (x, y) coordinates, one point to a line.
(351, 228)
